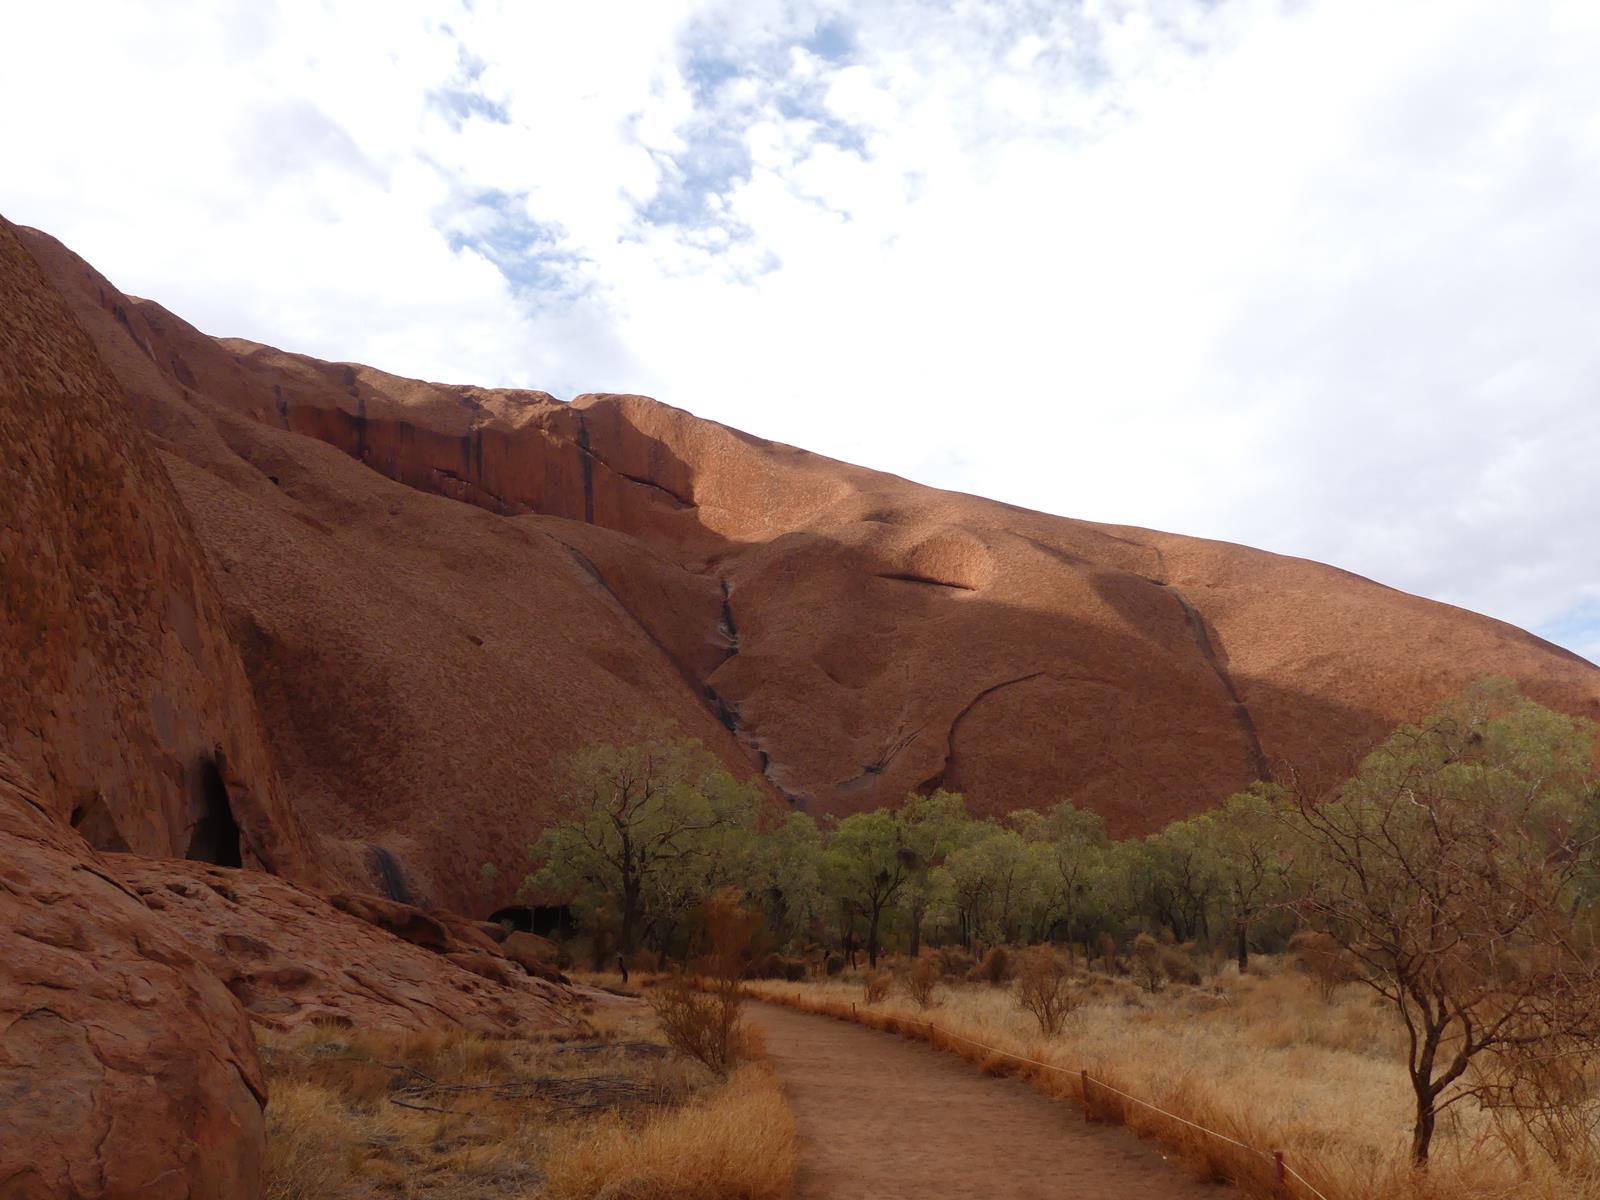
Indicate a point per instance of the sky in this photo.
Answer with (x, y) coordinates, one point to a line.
(1319, 276)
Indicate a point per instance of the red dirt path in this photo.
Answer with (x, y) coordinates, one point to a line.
(882, 1118)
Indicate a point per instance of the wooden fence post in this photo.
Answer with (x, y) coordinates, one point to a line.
(1279, 1173)
(1085, 1075)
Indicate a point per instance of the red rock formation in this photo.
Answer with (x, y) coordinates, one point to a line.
(292, 957)
(127, 1067)
(124, 695)
(440, 591)
(127, 1070)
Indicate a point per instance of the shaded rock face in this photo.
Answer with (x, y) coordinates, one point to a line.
(127, 1070)
(127, 1064)
(293, 957)
(124, 695)
(441, 591)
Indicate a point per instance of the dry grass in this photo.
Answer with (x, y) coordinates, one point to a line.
(358, 1115)
(735, 1143)
(1261, 1058)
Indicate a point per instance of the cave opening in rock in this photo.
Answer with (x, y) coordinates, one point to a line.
(216, 833)
(547, 920)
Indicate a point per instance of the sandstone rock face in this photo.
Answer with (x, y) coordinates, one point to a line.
(440, 591)
(124, 696)
(127, 1070)
(291, 956)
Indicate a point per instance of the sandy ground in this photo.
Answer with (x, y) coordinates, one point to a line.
(889, 1119)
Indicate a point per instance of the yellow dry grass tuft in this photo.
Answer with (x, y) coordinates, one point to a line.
(736, 1143)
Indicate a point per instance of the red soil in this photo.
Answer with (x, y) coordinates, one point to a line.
(881, 1118)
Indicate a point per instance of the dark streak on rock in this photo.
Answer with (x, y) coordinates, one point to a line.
(588, 567)
(924, 579)
(390, 874)
(937, 781)
(1241, 714)
(586, 463)
(726, 626)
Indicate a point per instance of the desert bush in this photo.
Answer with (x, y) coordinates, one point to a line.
(1107, 946)
(1551, 1102)
(1044, 988)
(702, 1025)
(705, 1024)
(776, 966)
(1148, 969)
(920, 980)
(1322, 958)
(1177, 963)
(877, 988)
(833, 964)
(994, 969)
(953, 962)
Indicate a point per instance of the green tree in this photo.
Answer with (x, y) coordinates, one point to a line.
(1452, 867)
(932, 827)
(1172, 875)
(784, 869)
(637, 825)
(1070, 850)
(1245, 835)
(865, 866)
(992, 881)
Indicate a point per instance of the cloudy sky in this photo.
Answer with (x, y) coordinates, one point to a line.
(1321, 276)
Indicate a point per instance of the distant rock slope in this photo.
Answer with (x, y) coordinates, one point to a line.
(440, 591)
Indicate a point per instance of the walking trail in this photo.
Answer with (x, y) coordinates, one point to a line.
(885, 1118)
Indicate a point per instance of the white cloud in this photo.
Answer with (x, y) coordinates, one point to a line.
(1317, 277)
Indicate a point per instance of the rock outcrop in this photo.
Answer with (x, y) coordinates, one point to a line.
(124, 695)
(127, 1070)
(440, 591)
(293, 957)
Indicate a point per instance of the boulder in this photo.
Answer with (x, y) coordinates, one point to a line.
(127, 1070)
(537, 956)
(407, 923)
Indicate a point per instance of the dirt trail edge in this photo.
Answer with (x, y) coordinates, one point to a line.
(885, 1118)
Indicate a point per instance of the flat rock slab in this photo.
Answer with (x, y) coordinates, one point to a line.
(881, 1118)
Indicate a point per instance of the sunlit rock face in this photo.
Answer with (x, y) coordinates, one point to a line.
(440, 591)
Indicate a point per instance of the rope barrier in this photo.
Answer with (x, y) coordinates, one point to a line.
(1276, 1158)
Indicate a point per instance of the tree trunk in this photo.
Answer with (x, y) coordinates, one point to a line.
(916, 931)
(1427, 1093)
(1244, 947)
(630, 917)
(1422, 1131)
(872, 941)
